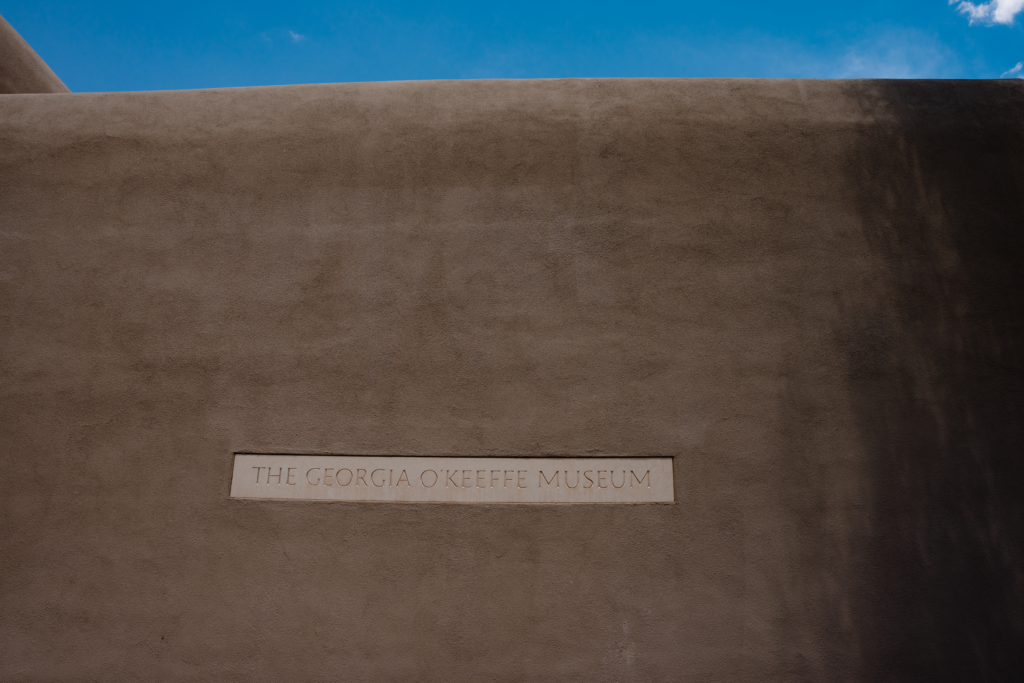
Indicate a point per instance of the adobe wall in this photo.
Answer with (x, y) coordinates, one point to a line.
(21, 69)
(807, 293)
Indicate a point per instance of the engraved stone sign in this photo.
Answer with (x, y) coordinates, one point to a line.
(401, 479)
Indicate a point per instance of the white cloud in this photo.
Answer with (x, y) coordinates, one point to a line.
(298, 37)
(993, 12)
(1015, 72)
(897, 53)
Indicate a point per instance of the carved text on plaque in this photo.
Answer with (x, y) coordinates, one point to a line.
(453, 480)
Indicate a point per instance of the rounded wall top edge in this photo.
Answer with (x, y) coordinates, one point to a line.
(469, 82)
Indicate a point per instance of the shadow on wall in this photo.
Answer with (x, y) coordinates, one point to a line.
(936, 377)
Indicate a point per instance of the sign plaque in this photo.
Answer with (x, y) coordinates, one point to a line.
(401, 479)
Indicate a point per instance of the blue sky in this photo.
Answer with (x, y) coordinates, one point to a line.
(115, 45)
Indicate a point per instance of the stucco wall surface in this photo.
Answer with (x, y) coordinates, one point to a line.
(21, 69)
(807, 293)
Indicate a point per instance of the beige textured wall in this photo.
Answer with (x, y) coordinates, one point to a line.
(807, 293)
